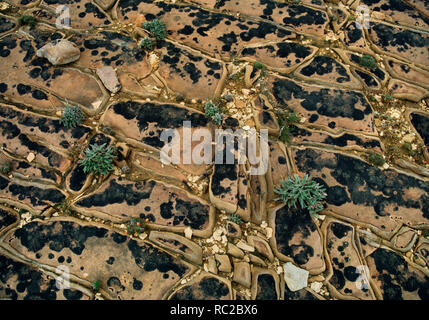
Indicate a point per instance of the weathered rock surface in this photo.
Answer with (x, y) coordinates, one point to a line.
(125, 268)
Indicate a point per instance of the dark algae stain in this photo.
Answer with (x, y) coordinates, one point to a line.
(396, 277)
(77, 178)
(322, 65)
(20, 281)
(331, 103)
(164, 116)
(118, 193)
(37, 196)
(6, 218)
(421, 123)
(266, 288)
(151, 258)
(288, 223)
(57, 236)
(208, 288)
(401, 40)
(340, 230)
(188, 213)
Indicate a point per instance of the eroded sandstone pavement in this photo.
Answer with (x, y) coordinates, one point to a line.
(256, 59)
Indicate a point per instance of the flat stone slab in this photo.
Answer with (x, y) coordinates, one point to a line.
(403, 43)
(178, 244)
(346, 274)
(395, 278)
(155, 166)
(300, 18)
(296, 238)
(32, 197)
(59, 52)
(224, 187)
(258, 198)
(344, 141)
(24, 132)
(408, 72)
(23, 282)
(353, 36)
(30, 171)
(278, 167)
(189, 73)
(380, 199)
(165, 206)
(398, 12)
(321, 106)
(211, 32)
(142, 123)
(402, 90)
(204, 287)
(125, 268)
(16, 51)
(112, 49)
(366, 74)
(283, 56)
(329, 70)
(84, 14)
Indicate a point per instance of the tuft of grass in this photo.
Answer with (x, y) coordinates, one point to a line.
(147, 43)
(72, 116)
(95, 285)
(211, 110)
(286, 119)
(408, 149)
(235, 218)
(63, 207)
(156, 29)
(258, 65)
(368, 61)
(6, 167)
(27, 20)
(98, 159)
(303, 191)
(376, 159)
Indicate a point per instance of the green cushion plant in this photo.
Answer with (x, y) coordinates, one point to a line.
(98, 159)
(212, 111)
(72, 116)
(303, 191)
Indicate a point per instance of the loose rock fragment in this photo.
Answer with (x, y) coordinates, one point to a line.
(109, 78)
(59, 52)
(296, 278)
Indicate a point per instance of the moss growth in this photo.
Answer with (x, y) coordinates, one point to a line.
(6, 167)
(368, 61)
(27, 20)
(376, 159)
(286, 119)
